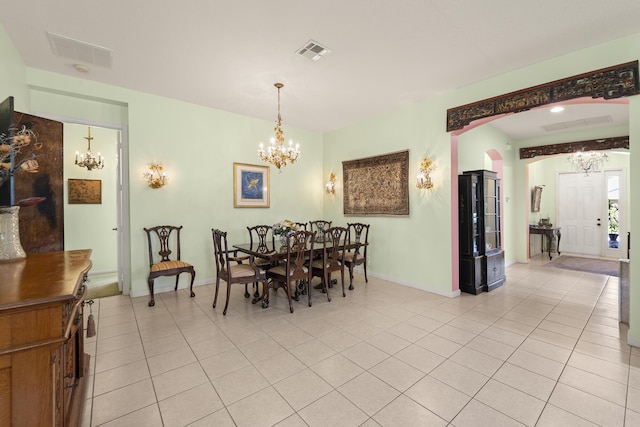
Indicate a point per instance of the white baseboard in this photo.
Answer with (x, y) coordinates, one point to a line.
(450, 294)
(631, 340)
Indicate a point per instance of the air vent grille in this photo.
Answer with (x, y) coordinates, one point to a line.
(313, 50)
(80, 51)
(578, 123)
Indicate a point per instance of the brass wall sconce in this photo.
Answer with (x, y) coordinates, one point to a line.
(330, 186)
(155, 176)
(423, 179)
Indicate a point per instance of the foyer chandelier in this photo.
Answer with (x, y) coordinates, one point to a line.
(88, 160)
(276, 153)
(587, 161)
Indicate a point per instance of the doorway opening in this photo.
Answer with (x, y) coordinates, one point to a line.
(100, 225)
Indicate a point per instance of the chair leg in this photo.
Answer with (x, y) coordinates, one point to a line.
(177, 279)
(246, 290)
(265, 294)
(226, 304)
(327, 280)
(350, 276)
(364, 265)
(193, 277)
(256, 292)
(342, 276)
(152, 302)
(288, 290)
(215, 297)
(308, 288)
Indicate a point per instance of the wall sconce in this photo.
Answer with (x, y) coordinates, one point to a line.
(423, 179)
(331, 184)
(155, 177)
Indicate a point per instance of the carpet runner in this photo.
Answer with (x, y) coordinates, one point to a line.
(589, 265)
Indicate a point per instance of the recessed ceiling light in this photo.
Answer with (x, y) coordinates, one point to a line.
(557, 109)
(81, 68)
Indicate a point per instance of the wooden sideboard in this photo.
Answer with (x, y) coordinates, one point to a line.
(42, 361)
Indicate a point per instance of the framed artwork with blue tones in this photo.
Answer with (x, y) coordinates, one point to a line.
(250, 186)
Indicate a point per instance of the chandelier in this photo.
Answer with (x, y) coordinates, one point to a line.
(88, 160)
(277, 154)
(587, 161)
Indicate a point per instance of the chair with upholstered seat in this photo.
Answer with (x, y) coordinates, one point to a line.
(294, 270)
(358, 233)
(166, 261)
(331, 259)
(232, 273)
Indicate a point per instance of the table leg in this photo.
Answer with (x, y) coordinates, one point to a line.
(559, 236)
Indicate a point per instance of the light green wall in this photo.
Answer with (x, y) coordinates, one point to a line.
(634, 223)
(12, 74)
(550, 166)
(199, 145)
(413, 250)
(473, 147)
(421, 129)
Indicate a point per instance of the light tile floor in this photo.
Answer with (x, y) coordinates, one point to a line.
(545, 349)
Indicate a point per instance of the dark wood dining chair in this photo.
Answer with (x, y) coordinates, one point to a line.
(331, 259)
(319, 226)
(165, 260)
(294, 270)
(233, 273)
(358, 233)
(260, 236)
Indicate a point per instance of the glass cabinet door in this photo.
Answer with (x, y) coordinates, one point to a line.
(491, 214)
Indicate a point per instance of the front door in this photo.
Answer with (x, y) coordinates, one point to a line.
(580, 213)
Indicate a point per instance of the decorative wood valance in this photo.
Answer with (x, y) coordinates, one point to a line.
(572, 147)
(612, 82)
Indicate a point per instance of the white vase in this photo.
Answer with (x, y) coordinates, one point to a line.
(10, 247)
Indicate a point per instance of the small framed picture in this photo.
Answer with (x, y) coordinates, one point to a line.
(85, 192)
(250, 186)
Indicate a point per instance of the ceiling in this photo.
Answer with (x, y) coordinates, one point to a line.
(384, 54)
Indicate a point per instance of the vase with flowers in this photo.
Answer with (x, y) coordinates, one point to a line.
(17, 154)
(283, 229)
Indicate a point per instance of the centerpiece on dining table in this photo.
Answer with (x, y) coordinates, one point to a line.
(283, 229)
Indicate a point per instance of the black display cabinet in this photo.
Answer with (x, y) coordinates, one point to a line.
(481, 253)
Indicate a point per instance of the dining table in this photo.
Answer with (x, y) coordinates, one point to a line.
(275, 252)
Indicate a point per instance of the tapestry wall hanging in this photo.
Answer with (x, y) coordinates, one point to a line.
(377, 185)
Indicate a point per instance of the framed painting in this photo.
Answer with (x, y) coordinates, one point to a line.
(250, 186)
(85, 192)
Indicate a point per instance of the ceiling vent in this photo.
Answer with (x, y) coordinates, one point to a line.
(313, 50)
(80, 51)
(578, 123)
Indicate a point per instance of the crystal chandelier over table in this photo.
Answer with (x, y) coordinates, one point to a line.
(88, 160)
(276, 153)
(587, 161)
